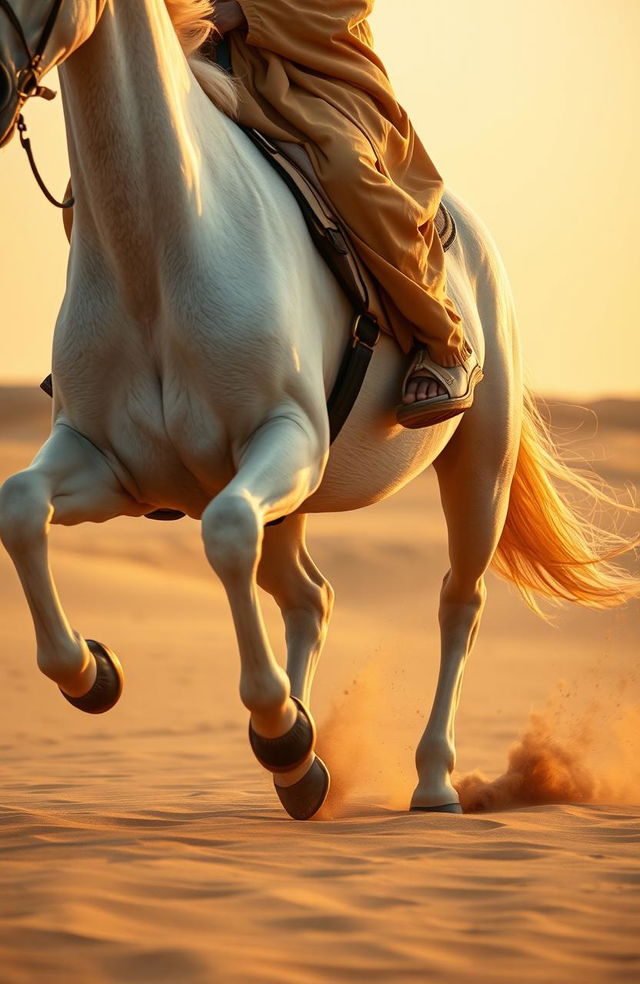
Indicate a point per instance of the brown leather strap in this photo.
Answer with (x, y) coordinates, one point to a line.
(326, 230)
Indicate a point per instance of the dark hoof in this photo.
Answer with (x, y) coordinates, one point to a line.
(305, 797)
(288, 751)
(447, 808)
(109, 681)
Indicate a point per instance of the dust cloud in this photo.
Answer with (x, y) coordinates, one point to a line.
(583, 746)
(360, 746)
(570, 752)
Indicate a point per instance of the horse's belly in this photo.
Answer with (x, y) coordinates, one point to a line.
(373, 457)
(373, 463)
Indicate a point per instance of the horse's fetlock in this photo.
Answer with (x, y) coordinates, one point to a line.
(435, 752)
(232, 534)
(264, 695)
(63, 662)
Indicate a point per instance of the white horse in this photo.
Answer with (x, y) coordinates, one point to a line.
(199, 336)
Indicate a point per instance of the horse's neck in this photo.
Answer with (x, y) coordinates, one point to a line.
(136, 167)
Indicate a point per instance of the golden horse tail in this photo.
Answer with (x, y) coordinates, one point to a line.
(548, 545)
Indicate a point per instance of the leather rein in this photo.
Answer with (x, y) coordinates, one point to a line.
(27, 84)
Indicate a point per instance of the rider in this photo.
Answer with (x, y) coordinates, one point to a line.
(308, 74)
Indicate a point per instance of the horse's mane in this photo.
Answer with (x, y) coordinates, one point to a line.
(192, 20)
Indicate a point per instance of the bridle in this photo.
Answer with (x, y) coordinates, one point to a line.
(27, 84)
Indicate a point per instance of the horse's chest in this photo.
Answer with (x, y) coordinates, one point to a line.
(169, 406)
(169, 450)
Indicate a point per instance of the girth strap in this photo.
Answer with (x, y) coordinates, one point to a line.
(353, 368)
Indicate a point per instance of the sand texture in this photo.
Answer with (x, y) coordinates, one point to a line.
(146, 845)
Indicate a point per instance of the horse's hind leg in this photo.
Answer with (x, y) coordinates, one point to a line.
(474, 473)
(69, 482)
(278, 469)
(303, 595)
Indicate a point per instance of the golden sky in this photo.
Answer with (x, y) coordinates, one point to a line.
(530, 112)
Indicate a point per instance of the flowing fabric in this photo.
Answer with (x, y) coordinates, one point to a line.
(308, 74)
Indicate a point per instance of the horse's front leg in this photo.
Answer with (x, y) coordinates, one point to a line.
(303, 595)
(278, 469)
(69, 482)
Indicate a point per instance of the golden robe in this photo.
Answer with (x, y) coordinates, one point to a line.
(308, 74)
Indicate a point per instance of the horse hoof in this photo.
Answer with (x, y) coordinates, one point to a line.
(285, 753)
(307, 795)
(447, 808)
(109, 681)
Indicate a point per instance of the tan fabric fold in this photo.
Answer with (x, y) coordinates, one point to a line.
(308, 74)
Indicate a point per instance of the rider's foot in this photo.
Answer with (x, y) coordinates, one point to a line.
(422, 387)
(433, 393)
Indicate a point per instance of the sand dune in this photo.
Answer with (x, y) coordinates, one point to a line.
(146, 845)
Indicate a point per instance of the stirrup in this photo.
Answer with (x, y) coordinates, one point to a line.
(459, 381)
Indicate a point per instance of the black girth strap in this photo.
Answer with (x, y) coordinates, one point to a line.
(354, 365)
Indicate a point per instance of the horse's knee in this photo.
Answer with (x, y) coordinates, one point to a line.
(25, 510)
(232, 535)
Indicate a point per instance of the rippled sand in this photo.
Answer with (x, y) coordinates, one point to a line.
(146, 845)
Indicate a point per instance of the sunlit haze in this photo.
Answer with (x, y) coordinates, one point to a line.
(530, 113)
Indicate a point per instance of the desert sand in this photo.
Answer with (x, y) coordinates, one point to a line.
(146, 845)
